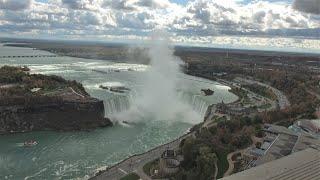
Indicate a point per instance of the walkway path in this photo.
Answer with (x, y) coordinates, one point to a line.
(231, 162)
(136, 162)
(76, 92)
(216, 170)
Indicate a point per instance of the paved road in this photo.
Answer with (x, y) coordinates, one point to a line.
(216, 170)
(135, 163)
(234, 84)
(231, 162)
(283, 101)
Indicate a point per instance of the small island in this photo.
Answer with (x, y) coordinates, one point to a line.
(117, 89)
(30, 102)
(207, 92)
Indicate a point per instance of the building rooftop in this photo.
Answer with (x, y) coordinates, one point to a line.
(302, 165)
(278, 129)
(312, 126)
(280, 142)
(281, 146)
(304, 141)
(169, 153)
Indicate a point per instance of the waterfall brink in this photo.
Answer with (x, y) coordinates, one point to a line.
(118, 103)
(196, 102)
(121, 103)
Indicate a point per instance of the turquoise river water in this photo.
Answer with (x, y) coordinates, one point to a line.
(78, 155)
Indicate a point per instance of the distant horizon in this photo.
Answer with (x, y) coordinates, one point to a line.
(292, 50)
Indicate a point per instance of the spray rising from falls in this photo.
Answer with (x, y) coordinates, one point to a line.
(195, 101)
(159, 98)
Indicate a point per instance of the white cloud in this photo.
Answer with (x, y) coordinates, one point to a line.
(154, 3)
(198, 19)
(82, 4)
(15, 4)
(256, 16)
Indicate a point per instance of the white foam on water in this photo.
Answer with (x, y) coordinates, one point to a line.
(121, 123)
(51, 69)
(105, 84)
(223, 87)
(109, 67)
(102, 168)
(45, 67)
(92, 86)
(19, 144)
(35, 174)
(113, 84)
(64, 170)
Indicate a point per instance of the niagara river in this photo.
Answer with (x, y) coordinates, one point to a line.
(78, 155)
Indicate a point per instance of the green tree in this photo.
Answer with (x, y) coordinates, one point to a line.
(189, 152)
(206, 163)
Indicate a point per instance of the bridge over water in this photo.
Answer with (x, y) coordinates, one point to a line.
(28, 56)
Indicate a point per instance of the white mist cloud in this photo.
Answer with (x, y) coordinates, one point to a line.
(159, 97)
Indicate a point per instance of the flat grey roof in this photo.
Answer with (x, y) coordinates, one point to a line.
(302, 165)
(282, 146)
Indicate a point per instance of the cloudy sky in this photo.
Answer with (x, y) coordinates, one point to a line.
(271, 23)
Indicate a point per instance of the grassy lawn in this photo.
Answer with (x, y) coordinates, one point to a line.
(147, 167)
(223, 164)
(131, 176)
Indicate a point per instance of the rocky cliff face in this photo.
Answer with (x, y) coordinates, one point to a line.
(64, 116)
(39, 102)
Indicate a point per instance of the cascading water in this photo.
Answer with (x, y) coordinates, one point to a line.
(121, 103)
(195, 100)
(118, 103)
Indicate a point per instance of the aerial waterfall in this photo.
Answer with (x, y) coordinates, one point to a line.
(118, 103)
(159, 97)
(121, 103)
(197, 103)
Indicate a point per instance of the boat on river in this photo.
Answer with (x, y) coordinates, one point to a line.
(30, 143)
